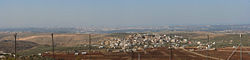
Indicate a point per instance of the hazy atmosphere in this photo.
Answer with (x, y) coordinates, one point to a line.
(124, 29)
(42, 13)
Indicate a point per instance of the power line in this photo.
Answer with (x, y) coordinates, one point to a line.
(239, 46)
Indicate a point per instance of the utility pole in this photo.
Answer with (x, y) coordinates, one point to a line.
(15, 45)
(171, 58)
(89, 46)
(208, 38)
(241, 47)
(132, 54)
(139, 56)
(171, 51)
(189, 38)
(53, 45)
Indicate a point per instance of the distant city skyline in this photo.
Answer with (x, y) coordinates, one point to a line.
(68, 13)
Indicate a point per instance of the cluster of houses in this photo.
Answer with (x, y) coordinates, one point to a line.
(138, 41)
(4, 55)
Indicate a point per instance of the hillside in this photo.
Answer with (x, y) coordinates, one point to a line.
(60, 39)
(8, 45)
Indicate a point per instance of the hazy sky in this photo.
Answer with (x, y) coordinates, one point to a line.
(39, 13)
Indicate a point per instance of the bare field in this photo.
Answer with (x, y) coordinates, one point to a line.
(60, 39)
(155, 54)
(149, 54)
(224, 53)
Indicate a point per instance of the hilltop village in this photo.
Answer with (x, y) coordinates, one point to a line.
(139, 42)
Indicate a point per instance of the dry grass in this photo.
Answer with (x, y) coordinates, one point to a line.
(60, 39)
